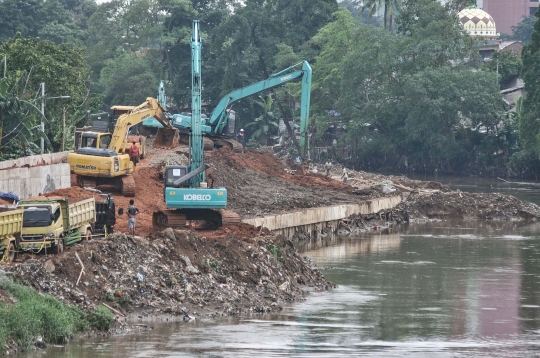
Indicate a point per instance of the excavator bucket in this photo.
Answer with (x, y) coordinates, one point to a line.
(166, 138)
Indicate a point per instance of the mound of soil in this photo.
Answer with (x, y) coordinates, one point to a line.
(176, 272)
(264, 162)
(258, 184)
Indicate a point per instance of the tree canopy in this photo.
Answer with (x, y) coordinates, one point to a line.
(416, 97)
(64, 73)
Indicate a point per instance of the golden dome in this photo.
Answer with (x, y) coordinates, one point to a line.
(478, 23)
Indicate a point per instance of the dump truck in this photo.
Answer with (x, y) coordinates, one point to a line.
(11, 221)
(52, 223)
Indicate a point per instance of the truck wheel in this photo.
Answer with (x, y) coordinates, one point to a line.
(88, 234)
(59, 248)
(11, 252)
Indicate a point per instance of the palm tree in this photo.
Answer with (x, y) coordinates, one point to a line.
(391, 7)
(18, 123)
(265, 122)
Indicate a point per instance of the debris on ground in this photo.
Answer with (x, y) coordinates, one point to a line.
(175, 272)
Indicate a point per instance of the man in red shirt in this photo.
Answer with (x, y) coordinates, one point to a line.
(134, 153)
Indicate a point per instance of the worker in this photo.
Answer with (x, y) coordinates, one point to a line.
(328, 167)
(134, 153)
(132, 212)
(241, 138)
(345, 176)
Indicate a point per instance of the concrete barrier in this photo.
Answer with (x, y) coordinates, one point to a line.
(316, 219)
(34, 175)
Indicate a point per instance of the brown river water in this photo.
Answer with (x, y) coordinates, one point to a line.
(445, 289)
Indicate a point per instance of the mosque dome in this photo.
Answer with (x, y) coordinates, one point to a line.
(478, 23)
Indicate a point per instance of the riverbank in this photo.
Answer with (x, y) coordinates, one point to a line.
(178, 273)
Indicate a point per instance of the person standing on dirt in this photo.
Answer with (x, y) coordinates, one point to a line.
(345, 176)
(241, 138)
(134, 153)
(328, 167)
(132, 212)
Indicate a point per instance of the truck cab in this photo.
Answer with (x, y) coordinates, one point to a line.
(51, 223)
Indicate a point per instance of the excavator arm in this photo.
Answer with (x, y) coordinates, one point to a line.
(218, 120)
(150, 108)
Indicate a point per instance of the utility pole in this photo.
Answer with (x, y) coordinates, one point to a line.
(64, 128)
(42, 117)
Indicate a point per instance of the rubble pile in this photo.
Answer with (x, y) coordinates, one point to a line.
(456, 204)
(176, 158)
(176, 272)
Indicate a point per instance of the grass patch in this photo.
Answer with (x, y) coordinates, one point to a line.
(215, 265)
(100, 318)
(276, 251)
(34, 315)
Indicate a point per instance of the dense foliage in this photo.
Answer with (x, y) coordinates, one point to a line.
(527, 159)
(414, 96)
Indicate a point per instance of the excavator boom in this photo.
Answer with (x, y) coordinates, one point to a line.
(150, 108)
(186, 192)
(218, 120)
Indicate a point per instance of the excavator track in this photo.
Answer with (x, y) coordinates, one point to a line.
(86, 182)
(178, 218)
(169, 218)
(128, 186)
(208, 144)
(229, 217)
(231, 143)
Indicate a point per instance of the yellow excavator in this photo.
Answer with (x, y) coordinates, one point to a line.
(102, 158)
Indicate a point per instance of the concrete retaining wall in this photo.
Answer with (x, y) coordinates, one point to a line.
(316, 219)
(34, 160)
(23, 178)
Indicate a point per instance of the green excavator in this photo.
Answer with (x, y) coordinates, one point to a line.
(187, 196)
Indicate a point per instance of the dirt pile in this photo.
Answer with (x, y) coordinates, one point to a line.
(175, 272)
(264, 162)
(258, 184)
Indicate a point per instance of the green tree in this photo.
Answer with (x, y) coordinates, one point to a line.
(335, 41)
(266, 123)
(123, 27)
(63, 71)
(19, 120)
(529, 118)
(255, 40)
(506, 64)
(523, 30)
(54, 20)
(410, 100)
(129, 79)
(391, 8)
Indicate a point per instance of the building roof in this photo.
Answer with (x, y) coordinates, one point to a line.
(478, 23)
